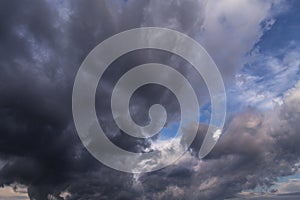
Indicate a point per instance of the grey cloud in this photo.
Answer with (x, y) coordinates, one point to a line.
(42, 46)
(255, 149)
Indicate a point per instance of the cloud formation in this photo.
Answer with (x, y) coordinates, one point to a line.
(255, 149)
(42, 46)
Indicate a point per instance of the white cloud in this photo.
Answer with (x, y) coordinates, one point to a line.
(228, 29)
(232, 28)
(292, 98)
(217, 134)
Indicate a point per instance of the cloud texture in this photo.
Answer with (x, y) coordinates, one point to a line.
(42, 46)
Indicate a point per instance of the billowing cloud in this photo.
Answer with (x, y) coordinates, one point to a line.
(42, 46)
(255, 149)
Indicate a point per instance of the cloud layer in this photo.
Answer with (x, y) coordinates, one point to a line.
(42, 46)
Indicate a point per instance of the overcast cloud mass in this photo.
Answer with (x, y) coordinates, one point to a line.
(255, 45)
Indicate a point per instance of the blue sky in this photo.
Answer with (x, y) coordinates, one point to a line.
(285, 30)
(269, 73)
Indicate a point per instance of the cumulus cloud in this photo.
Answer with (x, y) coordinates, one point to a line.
(255, 149)
(232, 28)
(42, 46)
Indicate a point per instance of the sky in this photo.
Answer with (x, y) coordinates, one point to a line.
(254, 43)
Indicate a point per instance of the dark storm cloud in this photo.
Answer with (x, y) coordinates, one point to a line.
(37, 141)
(42, 46)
